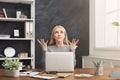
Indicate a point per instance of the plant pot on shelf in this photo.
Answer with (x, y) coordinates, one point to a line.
(12, 73)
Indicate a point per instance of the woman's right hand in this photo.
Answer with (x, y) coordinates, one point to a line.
(43, 44)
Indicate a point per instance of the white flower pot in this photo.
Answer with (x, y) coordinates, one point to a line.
(12, 73)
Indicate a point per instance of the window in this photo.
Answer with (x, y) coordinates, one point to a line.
(106, 34)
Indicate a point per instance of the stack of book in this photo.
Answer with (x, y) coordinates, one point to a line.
(3, 36)
(1, 14)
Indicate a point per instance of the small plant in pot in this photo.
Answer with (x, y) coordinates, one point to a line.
(12, 67)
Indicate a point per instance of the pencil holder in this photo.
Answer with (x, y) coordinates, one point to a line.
(99, 70)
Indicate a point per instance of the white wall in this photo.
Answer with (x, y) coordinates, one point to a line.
(101, 53)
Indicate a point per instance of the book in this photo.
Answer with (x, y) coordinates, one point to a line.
(4, 11)
(1, 14)
(114, 74)
(4, 36)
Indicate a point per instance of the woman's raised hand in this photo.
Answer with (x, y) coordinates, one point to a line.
(73, 43)
(43, 44)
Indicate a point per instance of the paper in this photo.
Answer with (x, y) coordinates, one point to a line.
(84, 75)
(28, 73)
(63, 75)
(43, 77)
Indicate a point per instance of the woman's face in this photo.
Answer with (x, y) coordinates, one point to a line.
(59, 34)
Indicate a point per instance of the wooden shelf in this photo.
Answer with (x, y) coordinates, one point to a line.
(17, 39)
(15, 19)
(29, 58)
(18, 1)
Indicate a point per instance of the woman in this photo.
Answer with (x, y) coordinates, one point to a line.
(58, 42)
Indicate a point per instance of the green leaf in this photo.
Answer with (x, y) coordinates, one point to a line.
(11, 64)
(115, 23)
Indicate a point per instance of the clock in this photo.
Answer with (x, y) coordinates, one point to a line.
(9, 52)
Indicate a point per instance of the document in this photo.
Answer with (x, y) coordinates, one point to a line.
(63, 75)
(43, 77)
(28, 73)
(84, 75)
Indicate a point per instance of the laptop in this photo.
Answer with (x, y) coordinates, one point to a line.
(59, 62)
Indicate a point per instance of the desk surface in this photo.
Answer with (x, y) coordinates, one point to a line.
(72, 77)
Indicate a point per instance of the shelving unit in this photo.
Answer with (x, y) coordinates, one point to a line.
(22, 43)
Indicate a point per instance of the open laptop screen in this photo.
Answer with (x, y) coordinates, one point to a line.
(59, 61)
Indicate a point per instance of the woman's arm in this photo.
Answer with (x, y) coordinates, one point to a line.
(43, 44)
(73, 46)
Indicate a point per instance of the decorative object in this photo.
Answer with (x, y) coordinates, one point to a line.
(9, 52)
(23, 55)
(18, 14)
(12, 67)
(23, 15)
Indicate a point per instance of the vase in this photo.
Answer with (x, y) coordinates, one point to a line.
(12, 73)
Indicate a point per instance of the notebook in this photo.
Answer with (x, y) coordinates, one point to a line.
(114, 74)
(59, 62)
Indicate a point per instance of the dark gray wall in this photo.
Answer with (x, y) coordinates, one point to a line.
(72, 14)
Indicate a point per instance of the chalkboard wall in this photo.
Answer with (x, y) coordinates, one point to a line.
(72, 14)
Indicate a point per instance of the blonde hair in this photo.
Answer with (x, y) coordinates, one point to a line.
(52, 40)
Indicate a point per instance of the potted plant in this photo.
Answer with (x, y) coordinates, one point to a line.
(12, 67)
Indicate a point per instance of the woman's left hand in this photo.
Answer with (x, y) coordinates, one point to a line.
(73, 43)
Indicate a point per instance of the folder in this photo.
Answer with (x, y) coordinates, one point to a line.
(27, 30)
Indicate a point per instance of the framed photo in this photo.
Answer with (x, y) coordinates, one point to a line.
(16, 33)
